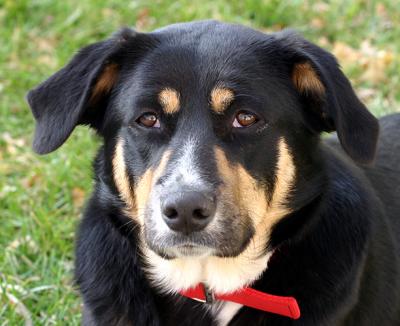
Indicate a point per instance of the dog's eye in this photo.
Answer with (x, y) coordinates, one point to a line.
(149, 120)
(244, 119)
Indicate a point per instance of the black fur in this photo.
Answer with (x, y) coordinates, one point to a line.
(337, 253)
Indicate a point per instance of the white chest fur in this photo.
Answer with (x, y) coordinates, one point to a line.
(221, 275)
(225, 311)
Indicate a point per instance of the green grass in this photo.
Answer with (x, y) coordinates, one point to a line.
(41, 197)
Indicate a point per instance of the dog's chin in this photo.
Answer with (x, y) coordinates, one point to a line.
(185, 251)
(190, 250)
(195, 246)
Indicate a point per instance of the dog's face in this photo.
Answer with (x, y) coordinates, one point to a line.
(201, 141)
(211, 137)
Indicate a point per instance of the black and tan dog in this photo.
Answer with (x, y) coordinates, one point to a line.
(213, 176)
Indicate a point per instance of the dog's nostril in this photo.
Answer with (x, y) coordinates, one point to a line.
(200, 213)
(170, 212)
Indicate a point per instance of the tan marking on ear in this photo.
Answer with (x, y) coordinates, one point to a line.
(170, 100)
(306, 79)
(105, 82)
(220, 99)
(145, 185)
(121, 178)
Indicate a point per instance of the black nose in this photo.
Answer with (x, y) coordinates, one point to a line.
(188, 211)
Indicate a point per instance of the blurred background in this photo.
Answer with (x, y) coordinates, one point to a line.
(41, 197)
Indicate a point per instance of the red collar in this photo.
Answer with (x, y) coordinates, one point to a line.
(285, 306)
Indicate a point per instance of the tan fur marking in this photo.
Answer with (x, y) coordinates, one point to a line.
(306, 79)
(142, 192)
(252, 199)
(146, 183)
(136, 200)
(169, 99)
(285, 175)
(220, 99)
(241, 187)
(105, 82)
(121, 178)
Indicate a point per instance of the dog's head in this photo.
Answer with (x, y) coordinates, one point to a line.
(211, 136)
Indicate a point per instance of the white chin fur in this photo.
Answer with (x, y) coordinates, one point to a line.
(191, 252)
(221, 275)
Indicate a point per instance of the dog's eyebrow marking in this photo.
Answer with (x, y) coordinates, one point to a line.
(306, 79)
(105, 82)
(221, 97)
(170, 100)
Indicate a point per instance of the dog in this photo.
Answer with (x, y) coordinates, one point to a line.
(216, 200)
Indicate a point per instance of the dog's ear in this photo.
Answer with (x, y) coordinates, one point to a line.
(78, 92)
(330, 101)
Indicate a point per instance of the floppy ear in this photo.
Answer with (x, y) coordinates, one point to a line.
(330, 101)
(78, 92)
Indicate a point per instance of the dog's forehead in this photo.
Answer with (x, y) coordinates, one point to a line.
(190, 54)
(204, 33)
(194, 65)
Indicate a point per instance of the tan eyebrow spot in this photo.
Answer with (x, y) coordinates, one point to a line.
(105, 82)
(306, 79)
(221, 97)
(169, 100)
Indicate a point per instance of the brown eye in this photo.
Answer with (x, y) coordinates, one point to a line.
(149, 120)
(244, 119)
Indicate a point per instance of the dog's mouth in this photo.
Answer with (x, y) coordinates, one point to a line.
(199, 244)
(176, 245)
(191, 250)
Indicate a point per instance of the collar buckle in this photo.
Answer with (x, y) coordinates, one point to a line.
(209, 297)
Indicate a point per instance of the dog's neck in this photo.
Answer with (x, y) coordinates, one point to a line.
(221, 274)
